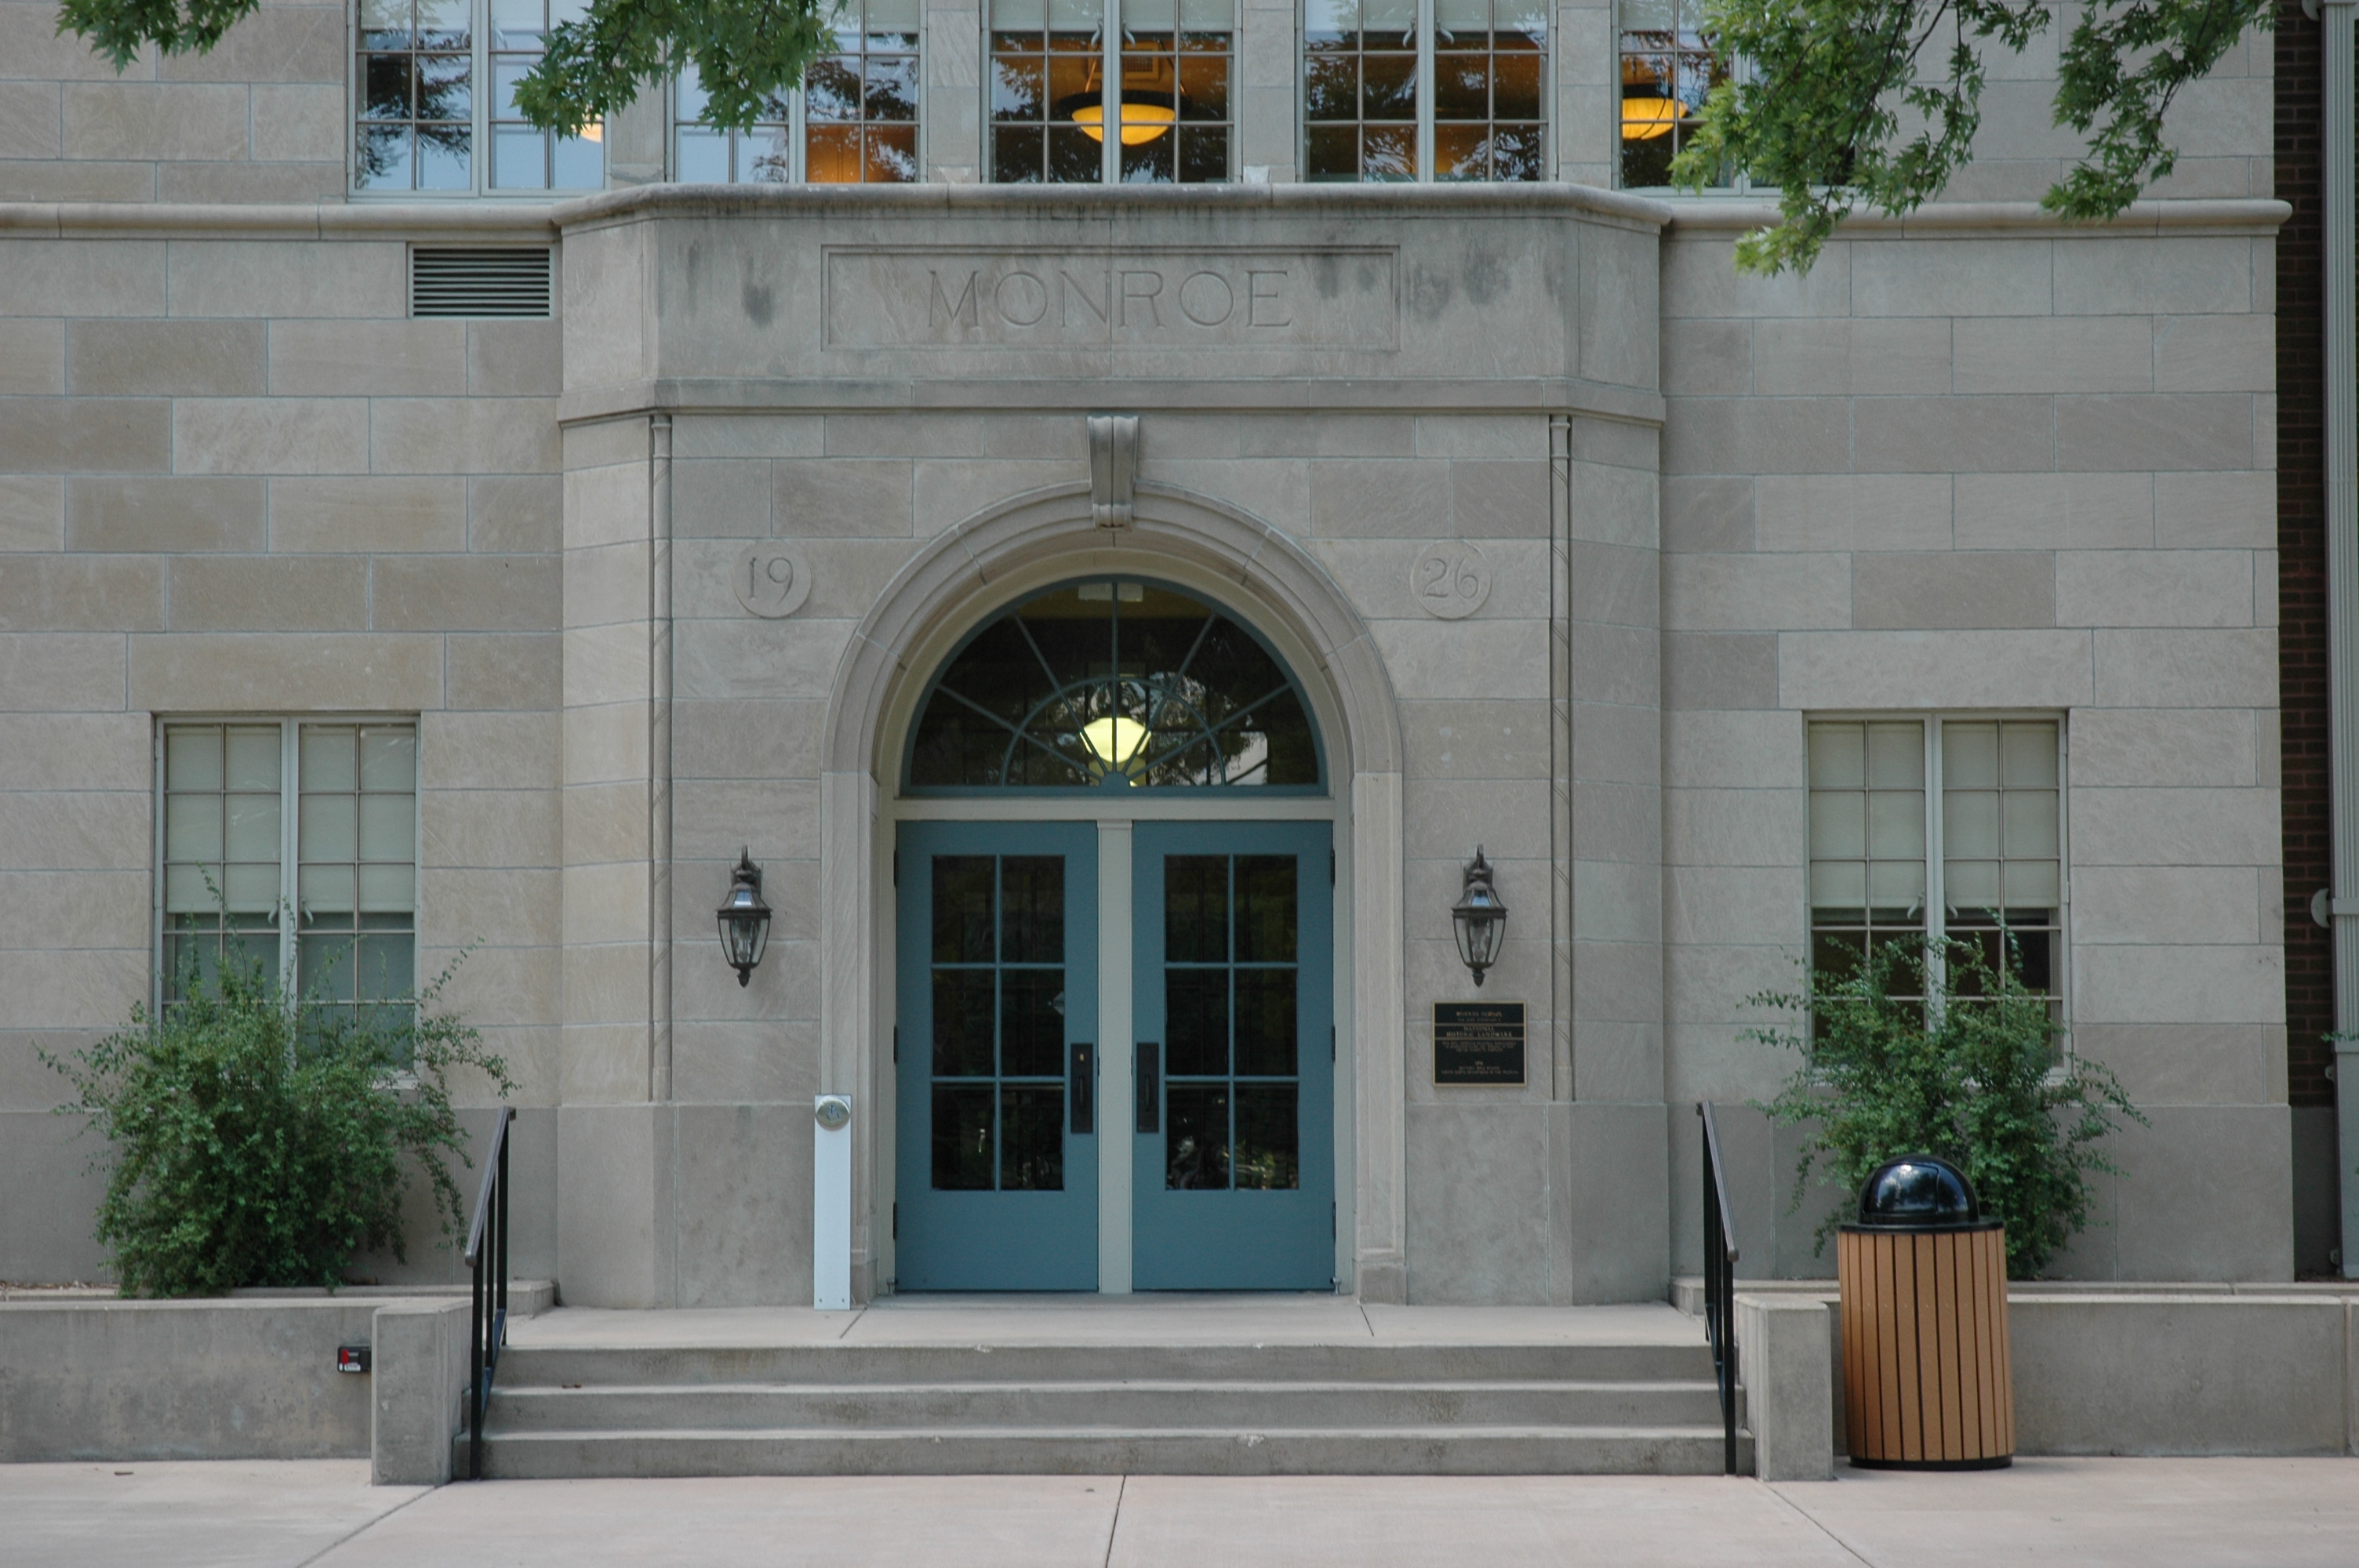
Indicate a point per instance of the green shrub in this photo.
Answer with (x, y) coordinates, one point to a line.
(257, 1139)
(1903, 1062)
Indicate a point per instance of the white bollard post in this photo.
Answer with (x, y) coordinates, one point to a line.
(831, 1203)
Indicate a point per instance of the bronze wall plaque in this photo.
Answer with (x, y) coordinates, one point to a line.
(1478, 1043)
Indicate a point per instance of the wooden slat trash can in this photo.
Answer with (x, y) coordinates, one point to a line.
(1928, 1377)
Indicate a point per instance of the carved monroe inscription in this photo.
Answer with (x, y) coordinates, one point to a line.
(1210, 298)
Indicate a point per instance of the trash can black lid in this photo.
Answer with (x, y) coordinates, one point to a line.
(1917, 1192)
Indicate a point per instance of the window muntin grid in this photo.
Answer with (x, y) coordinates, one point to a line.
(1867, 839)
(1489, 68)
(1231, 1047)
(2002, 851)
(525, 157)
(1667, 70)
(1992, 829)
(855, 121)
(1047, 64)
(417, 97)
(422, 120)
(997, 973)
(1177, 74)
(1359, 90)
(316, 819)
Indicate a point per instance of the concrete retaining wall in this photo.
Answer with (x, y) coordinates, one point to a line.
(249, 1377)
(2187, 1371)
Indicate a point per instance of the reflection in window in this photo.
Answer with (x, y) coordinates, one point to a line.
(422, 120)
(1174, 91)
(1668, 71)
(1232, 1022)
(1049, 102)
(523, 159)
(1486, 89)
(998, 1005)
(1048, 71)
(858, 113)
(354, 893)
(1114, 685)
(1991, 823)
(418, 67)
(1359, 90)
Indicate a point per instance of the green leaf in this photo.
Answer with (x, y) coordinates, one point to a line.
(1877, 103)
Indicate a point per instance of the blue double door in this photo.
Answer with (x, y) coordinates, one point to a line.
(1226, 1122)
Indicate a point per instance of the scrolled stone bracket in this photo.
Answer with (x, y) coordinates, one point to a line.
(1113, 468)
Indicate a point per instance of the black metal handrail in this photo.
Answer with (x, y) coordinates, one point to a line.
(487, 1242)
(1720, 1282)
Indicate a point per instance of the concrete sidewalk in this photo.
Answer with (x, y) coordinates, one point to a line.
(2137, 1513)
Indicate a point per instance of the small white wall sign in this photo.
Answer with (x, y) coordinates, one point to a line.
(1449, 578)
(772, 581)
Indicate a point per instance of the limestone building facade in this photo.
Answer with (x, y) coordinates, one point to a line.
(447, 540)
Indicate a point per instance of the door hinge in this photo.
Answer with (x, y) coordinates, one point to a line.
(1331, 866)
(896, 1221)
(897, 1046)
(896, 868)
(1331, 1225)
(1330, 1046)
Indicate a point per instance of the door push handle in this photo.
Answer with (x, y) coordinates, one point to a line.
(1081, 1083)
(1150, 1086)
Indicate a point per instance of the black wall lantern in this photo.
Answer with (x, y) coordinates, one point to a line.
(744, 918)
(1480, 918)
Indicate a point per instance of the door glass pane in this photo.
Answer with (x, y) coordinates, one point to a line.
(1195, 909)
(1269, 1144)
(1265, 1024)
(963, 909)
(1032, 911)
(962, 1160)
(1196, 1022)
(1032, 1023)
(1265, 909)
(1032, 1137)
(1196, 1137)
(963, 1023)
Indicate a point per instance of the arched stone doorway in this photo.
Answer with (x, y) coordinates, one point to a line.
(1191, 542)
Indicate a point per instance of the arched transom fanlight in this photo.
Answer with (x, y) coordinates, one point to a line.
(1114, 684)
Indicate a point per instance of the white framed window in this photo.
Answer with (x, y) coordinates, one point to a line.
(1424, 90)
(1164, 72)
(1948, 825)
(1667, 69)
(855, 121)
(434, 99)
(291, 843)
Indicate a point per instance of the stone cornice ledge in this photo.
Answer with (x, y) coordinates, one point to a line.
(1272, 393)
(324, 221)
(1109, 202)
(1952, 219)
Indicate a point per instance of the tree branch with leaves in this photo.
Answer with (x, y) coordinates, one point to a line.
(1877, 103)
(747, 51)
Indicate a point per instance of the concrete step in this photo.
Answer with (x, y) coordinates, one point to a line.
(1197, 1405)
(641, 1365)
(1101, 1451)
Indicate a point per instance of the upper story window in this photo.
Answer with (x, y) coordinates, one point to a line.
(1412, 89)
(425, 120)
(1170, 64)
(1939, 828)
(1668, 71)
(1112, 685)
(854, 122)
(292, 844)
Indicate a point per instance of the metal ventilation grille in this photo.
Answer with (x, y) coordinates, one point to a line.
(479, 280)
